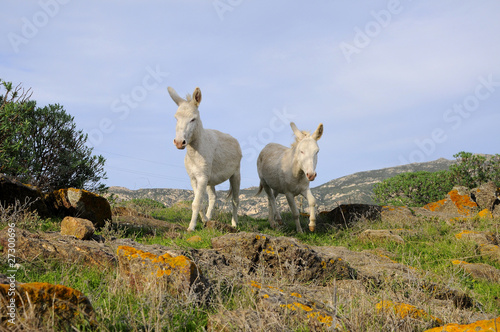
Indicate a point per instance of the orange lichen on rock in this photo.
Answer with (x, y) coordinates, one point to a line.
(404, 310)
(465, 232)
(63, 305)
(435, 205)
(485, 213)
(490, 325)
(140, 264)
(462, 202)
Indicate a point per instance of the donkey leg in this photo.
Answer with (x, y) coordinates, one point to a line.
(312, 209)
(199, 193)
(295, 211)
(212, 198)
(234, 188)
(277, 214)
(271, 203)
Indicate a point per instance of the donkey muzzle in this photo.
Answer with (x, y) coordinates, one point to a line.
(311, 176)
(180, 144)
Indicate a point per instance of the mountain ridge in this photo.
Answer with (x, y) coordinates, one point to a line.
(353, 188)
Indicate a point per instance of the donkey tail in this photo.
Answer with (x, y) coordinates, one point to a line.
(260, 190)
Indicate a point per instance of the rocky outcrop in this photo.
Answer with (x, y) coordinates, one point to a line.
(80, 203)
(31, 246)
(82, 229)
(170, 272)
(462, 202)
(61, 203)
(488, 325)
(41, 306)
(12, 191)
(282, 256)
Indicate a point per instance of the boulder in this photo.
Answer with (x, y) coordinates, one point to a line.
(479, 326)
(80, 203)
(486, 196)
(478, 237)
(345, 215)
(12, 191)
(176, 274)
(479, 271)
(375, 235)
(281, 256)
(404, 310)
(82, 229)
(43, 306)
(30, 246)
(458, 203)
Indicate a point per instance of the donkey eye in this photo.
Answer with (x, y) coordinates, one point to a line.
(192, 120)
(301, 151)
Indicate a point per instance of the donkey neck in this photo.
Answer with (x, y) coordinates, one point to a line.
(296, 170)
(197, 137)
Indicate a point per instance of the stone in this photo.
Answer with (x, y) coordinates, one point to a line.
(80, 203)
(12, 191)
(176, 274)
(82, 229)
(458, 203)
(486, 196)
(487, 325)
(380, 235)
(31, 246)
(479, 271)
(478, 237)
(404, 310)
(281, 256)
(42, 305)
(346, 214)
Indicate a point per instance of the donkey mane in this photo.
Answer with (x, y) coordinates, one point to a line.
(188, 97)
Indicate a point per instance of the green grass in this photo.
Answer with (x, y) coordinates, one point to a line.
(119, 308)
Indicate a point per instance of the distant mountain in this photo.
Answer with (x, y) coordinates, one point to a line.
(354, 188)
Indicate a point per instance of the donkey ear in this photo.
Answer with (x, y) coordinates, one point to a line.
(296, 131)
(319, 131)
(175, 97)
(197, 96)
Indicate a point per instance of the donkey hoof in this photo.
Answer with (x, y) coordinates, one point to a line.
(312, 228)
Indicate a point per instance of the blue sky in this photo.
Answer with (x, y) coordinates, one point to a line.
(392, 81)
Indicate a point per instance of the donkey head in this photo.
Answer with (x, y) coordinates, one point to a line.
(306, 150)
(188, 117)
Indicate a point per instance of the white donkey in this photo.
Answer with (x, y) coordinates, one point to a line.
(212, 157)
(288, 171)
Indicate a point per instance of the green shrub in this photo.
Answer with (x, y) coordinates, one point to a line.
(472, 170)
(42, 147)
(413, 188)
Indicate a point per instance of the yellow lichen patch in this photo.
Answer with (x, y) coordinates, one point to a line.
(490, 325)
(485, 214)
(161, 265)
(325, 319)
(458, 262)
(296, 295)
(255, 284)
(466, 232)
(435, 205)
(404, 310)
(462, 202)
